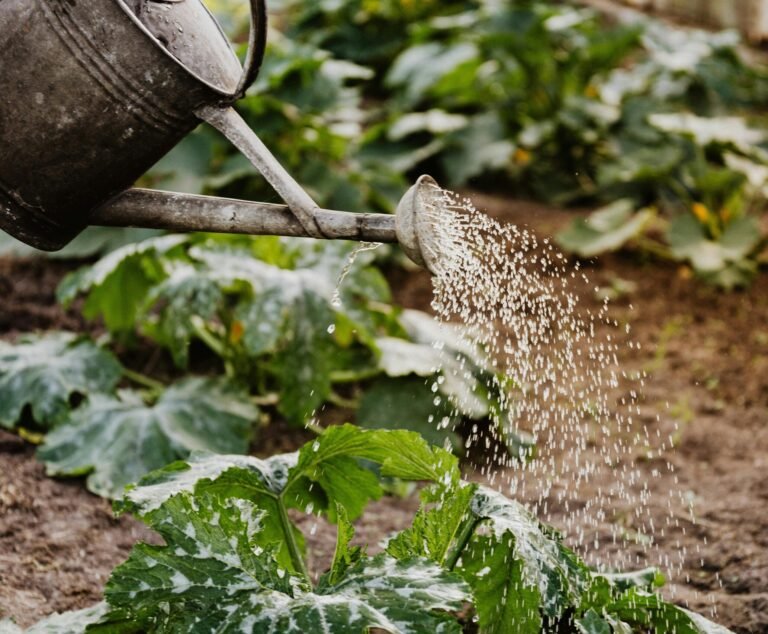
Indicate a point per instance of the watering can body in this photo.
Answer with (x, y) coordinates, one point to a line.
(92, 95)
(95, 92)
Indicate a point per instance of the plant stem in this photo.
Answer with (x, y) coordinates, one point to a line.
(141, 379)
(353, 376)
(340, 401)
(464, 535)
(208, 338)
(266, 399)
(314, 428)
(290, 540)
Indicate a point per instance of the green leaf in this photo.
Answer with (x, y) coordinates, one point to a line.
(408, 403)
(724, 261)
(605, 230)
(647, 579)
(117, 285)
(229, 475)
(331, 462)
(505, 601)
(323, 472)
(212, 556)
(288, 316)
(173, 306)
(547, 567)
(651, 612)
(246, 477)
(479, 148)
(344, 556)
(118, 440)
(437, 526)
(74, 622)
(592, 623)
(420, 67)
(400, 357)
(45, 372)
(212, 575)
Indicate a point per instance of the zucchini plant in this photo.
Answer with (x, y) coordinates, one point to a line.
(233, 561)
(283, 339)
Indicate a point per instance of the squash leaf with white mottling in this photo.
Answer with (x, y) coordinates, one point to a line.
(212, 575)
(117, 440)
(45, 373)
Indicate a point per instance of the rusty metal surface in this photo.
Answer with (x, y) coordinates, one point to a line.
(89, 100)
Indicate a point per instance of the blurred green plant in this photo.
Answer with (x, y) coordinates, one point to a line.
(543, 95)
(282, 323)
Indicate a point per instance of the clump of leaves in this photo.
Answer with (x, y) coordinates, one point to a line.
(270, 310)
(232, 560)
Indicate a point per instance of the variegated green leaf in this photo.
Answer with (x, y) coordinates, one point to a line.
(118, 440)
(117, 285)
(45, 372)
(213, 575)
(324, 472)
(547, 566)
(75, 622)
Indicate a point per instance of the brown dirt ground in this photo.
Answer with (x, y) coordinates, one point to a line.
(706, 356)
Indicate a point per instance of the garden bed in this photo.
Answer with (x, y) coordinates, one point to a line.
(706, 353)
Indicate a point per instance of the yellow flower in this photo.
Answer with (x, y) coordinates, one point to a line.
(522, 156)
(237, 332)
(590, 91)
(700, 211)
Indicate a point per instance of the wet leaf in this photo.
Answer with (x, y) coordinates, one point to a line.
(437, 526)
(547, 568)
(649, 611)
(213, 575)
(45, 372)
(74, 622)
(505, 601)
(115, 441)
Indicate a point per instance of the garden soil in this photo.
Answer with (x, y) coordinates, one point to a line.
(705, 354)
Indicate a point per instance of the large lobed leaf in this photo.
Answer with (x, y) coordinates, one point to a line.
(117, 440)
(117, 285)
(724, 261)
(213, 575)
(548, 568)
(45, 372)
(322, 475)
(324, 472)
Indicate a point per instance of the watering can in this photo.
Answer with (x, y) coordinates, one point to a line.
(95, 92)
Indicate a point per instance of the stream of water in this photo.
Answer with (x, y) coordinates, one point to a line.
(557, 371)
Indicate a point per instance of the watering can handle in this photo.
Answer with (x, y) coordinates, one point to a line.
(257, 40)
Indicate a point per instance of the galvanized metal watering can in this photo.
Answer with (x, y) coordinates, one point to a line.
(94, 92)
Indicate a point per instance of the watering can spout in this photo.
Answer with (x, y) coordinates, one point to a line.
(171, 211)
